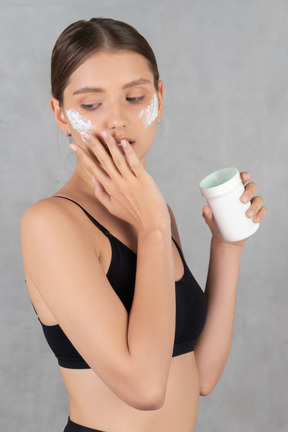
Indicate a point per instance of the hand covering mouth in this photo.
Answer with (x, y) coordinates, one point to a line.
(119, 139)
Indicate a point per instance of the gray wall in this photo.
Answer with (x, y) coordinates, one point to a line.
(225, 67)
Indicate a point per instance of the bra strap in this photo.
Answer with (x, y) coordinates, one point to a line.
(95, 222)
(180, 252)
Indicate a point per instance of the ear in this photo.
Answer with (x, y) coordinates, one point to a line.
(59, 114)
(160, 94)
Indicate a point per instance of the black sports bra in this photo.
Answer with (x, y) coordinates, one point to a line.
(191, 304)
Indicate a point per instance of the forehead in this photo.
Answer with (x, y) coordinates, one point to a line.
(109, 69)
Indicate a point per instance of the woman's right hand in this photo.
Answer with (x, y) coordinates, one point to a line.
(122, 184)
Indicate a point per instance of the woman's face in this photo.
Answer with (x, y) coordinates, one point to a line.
(114, 92)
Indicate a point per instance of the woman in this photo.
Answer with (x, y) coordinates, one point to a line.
(110, 318)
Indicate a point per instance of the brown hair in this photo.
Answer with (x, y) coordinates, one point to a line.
(83, 38)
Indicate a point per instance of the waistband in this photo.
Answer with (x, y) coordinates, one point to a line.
(75, 427)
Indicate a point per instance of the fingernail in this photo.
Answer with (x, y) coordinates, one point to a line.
(94, 181)
(124, 143)
(86, 137)
(251, 213)
(73, 147)
(245, 198)
(104, 135)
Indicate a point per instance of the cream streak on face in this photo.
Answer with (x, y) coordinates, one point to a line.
(150, 113)
(79, 123)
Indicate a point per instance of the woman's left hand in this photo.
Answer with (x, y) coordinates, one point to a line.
(257, 211)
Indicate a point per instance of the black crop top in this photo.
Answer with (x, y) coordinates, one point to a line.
(191, 304)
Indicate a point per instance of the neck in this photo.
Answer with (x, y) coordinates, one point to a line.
(81, 180)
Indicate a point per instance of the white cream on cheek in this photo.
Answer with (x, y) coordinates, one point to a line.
(79, 123)
(82, 125)
(150, 113)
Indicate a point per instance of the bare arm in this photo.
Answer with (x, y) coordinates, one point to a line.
(153, 313)
(213, 346)
(132, 354)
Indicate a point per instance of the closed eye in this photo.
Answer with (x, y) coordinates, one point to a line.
(135, 99)
(90, 106)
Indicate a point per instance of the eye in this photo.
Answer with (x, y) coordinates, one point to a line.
(90, 107)
(135, 99)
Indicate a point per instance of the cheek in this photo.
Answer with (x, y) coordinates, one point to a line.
(149, 114)
(79, 123)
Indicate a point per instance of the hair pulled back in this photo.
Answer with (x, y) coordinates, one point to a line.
(83, 38)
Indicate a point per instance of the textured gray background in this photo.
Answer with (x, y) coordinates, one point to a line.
(224, 64)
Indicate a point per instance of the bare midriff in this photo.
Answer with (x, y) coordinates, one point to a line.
(94, 405)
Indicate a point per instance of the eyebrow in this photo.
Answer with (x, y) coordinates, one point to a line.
(133, 83)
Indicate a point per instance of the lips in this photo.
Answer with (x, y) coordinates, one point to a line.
(119, 139)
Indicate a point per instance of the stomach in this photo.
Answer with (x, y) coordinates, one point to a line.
(94, 405)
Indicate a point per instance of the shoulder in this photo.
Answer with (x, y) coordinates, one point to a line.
(47, 221)
(174, 228)
(39, 208)
(51, 213)
(43, 215)
(47, 207)
(40, 222)
(39, 214)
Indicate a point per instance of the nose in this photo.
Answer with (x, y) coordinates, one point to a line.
(116, 117)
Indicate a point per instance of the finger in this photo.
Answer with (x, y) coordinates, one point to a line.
(101, 193)
(245, 177)
(207, 213)
(132, 159)
(210, 221)
(260, 215)
(116, 154)
(249, 192)
(103, 156)
(93, 167)
(255, 207)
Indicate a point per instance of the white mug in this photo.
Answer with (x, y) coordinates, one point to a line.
(222, 190)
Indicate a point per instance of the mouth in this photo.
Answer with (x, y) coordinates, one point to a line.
(119, 139)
